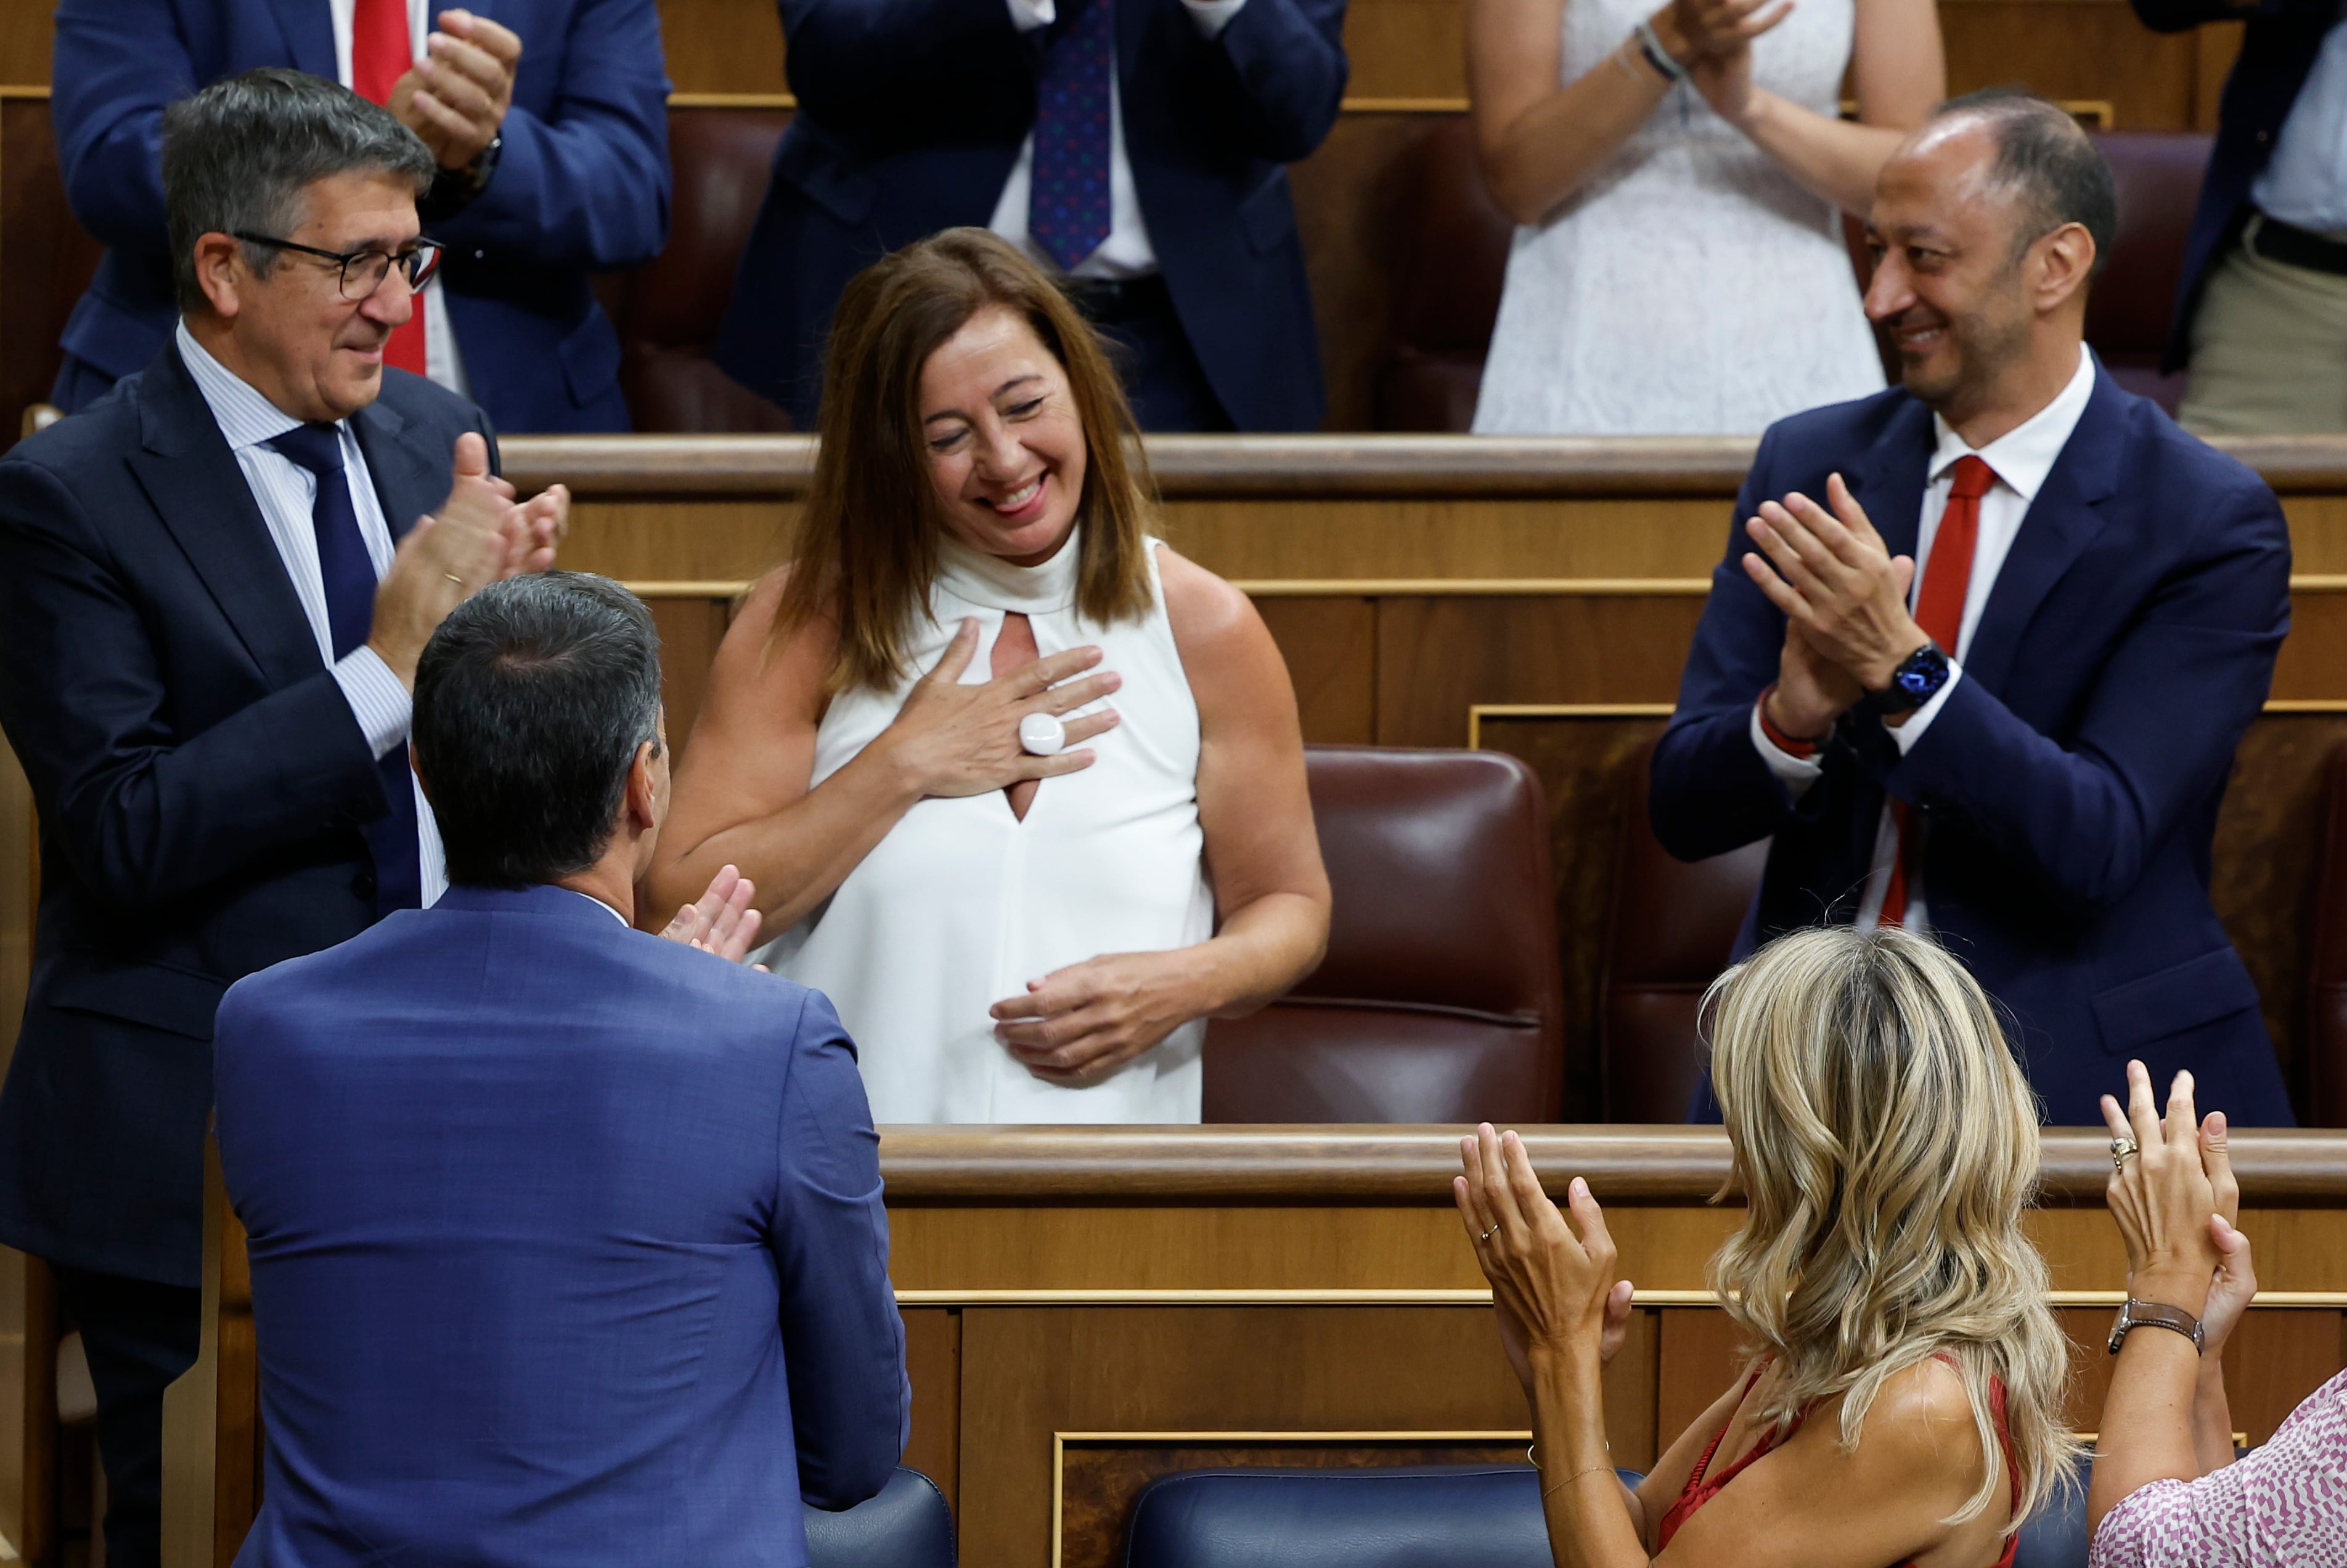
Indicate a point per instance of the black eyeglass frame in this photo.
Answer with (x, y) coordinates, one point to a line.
(419, 261)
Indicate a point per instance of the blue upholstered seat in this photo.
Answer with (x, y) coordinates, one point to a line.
(1434, 1516)
(908, 1525)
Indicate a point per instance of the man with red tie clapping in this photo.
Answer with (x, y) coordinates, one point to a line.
(1982, 646)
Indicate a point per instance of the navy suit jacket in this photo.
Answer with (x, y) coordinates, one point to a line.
(582, 183)
(567, 1242)
(911, 113)
(2278, 50)
(2069, 785)
(202, 784)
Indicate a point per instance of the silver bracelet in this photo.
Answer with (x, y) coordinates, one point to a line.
(1656, 56)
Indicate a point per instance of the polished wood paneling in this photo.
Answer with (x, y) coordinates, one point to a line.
(690, 631)
(1440, 656)
(1331, 649)
(1095, 1306)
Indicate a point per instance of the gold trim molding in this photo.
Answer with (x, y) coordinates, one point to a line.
(1380, 1296)
(1414, 587)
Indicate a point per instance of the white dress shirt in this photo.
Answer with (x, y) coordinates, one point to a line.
(2306, 181)
(441, 361)
(1126, 252)
(285, 492)
(2021, 459)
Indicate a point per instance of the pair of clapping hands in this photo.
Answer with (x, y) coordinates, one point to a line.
(480, 535)
(2176, 1202)
(1844, 597)
(1718, 35)
(456, 98)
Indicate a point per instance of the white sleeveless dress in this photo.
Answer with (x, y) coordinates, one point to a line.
(1691, 287)
(963, 903)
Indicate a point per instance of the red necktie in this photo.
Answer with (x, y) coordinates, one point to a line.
(1939, 611)
(382, 53)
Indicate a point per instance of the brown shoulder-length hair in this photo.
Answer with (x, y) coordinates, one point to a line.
(866, 549)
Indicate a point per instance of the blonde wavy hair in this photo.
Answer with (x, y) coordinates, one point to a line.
(1886, 1143)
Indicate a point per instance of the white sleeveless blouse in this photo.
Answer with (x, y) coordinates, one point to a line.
(963, 903)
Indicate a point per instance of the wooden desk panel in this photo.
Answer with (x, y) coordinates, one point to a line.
(1088, 1308)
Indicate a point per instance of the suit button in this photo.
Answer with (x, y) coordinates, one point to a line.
(364, 885)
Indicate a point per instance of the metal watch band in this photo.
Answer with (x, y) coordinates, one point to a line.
(2136, 1314)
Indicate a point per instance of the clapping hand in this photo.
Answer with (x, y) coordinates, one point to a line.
(2163, 1193)
(1830, 572)
(1718, 28)
(721, 921)
(456, 97)
(1553, 1290)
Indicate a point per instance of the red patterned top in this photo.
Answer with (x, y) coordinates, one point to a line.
(1699, 1491)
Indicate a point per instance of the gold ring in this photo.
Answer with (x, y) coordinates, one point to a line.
(2120, 1149)
(452, 577)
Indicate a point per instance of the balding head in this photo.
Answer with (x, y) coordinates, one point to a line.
(1987, 223)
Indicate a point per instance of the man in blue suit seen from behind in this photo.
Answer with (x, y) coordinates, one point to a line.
(1136, 145)
(548, 120)
(1982, 646)
(567, 1242)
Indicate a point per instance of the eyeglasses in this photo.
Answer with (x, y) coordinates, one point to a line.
(363, 272)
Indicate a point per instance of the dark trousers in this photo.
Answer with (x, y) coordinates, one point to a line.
(1162, 378)
(139, 1337)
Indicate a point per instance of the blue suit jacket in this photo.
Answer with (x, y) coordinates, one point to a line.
(200, 782)
(2278, 50)
(582, 183)
(2070, 782)
(911, 113)
(567, 1246)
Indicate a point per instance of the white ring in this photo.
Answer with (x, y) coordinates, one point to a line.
(1042, 735)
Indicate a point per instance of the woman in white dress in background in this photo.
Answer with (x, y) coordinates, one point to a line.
(1679, 178)
(1008, 935)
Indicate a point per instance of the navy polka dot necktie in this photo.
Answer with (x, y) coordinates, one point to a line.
(1067, 202)
(348, 572)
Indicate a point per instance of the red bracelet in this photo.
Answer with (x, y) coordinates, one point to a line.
(1777, 737)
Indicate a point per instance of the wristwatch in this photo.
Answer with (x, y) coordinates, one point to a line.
(454, 189)
(2154, 1315)
(1916, 681)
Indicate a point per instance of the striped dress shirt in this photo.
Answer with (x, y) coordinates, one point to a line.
(285, 492)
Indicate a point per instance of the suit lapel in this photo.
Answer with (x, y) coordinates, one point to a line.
(1888, 480)
(410, 479)
(2062, 520)
(309, 29)
(200, 491)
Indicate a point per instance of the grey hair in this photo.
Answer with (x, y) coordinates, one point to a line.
(2046, 160)
(240, 154)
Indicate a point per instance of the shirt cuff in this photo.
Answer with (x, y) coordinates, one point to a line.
(1904, 736)
(1796, 774)
(1028, 14)
(1211, 16)
(378, 702)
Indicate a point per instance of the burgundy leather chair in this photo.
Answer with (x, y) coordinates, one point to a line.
(2326, 1035)
(1441, 996)
(1454, 258)
(671, 306)
(2133, 301)
(1667, 938)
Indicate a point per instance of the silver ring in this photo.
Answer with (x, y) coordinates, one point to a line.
(1042, 735)
(2120, 1149)
(1487, 1235)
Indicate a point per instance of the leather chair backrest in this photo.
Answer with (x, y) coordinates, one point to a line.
(2326, 998)
(908, 1525)
(674, 303)
(1487, 1515)
(1668, 936)
(1440, 998)
(2133, 300)
(1454, 243)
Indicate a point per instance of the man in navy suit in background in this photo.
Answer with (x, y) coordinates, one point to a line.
(214, 585)
(547, 123)
(567, 1244)
(1136, 145)
(2262, 307)
(1983, 647)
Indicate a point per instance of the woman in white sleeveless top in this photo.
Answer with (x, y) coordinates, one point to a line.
(1010, 933)
(1679, 178)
